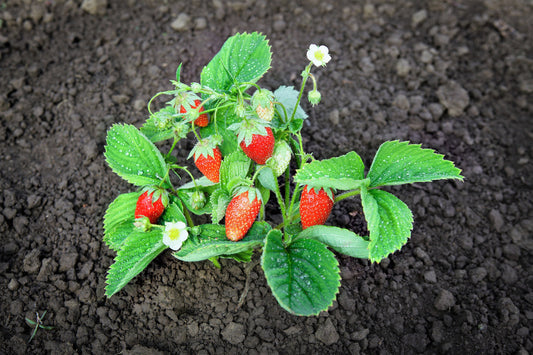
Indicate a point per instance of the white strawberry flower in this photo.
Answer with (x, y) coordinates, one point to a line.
(319, 56)
(175, 234)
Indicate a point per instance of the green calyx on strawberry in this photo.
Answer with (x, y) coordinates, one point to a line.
(255, 139)
(280, 159)
(315, 205)
(191, 107)
(181, 129)
(242, 212)
(263, 104)
(162, 119)
(208, 158)
(151, 204)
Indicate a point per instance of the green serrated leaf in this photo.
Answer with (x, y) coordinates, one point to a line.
(132, 156)
(212, 242)
(389, 221)
(267, 179)
(398, 163)
(339, 239)
(343, 173)
(288, 96)
(234, 165)
(219, 202)
(174, 212)
(243, 58)
(242, 257)
(304, 276)
(138, 250)
(119, 218)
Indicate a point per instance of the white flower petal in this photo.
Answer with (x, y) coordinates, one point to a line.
(311, 52)
(319, 56)
(175, 234)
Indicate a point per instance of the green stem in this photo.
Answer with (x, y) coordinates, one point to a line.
(173, 146)
(251, 84)
(295, 193)
(280, 201)
(257, 172)
(165, 178)
(346, 195)
(305, 75)
(287, 185)
(284, 117)
(188, 217)
(156, 95)
(187, 171)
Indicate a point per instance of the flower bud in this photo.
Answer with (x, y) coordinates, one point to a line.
(198, 200)
(142, 223)
(314, 97)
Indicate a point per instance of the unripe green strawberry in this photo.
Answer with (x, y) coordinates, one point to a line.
(263, 104)
(315, 206)
(198, 200)
(151, 203)
(280, 158)
(241, 213)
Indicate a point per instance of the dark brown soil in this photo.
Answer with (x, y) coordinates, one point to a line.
(457, 78)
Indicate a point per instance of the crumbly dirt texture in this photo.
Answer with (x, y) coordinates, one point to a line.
(455, 76)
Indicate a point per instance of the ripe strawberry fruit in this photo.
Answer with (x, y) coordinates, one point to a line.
(151, 206)
(208, 158)
(260, 148)
(210, 165)
(255, 139)
(315, 207)
(241, 214)
(203, 118)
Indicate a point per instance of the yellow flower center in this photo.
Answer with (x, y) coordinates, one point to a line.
(174, 233)
(319, 55)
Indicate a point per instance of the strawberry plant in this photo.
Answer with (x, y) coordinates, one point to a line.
(245, 138)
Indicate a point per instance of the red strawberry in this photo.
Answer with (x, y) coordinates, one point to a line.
(241, 214)
(150, 206)
(315, 207)
(210, 165)
(260, 148)
(208, 158)
(203, 119)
